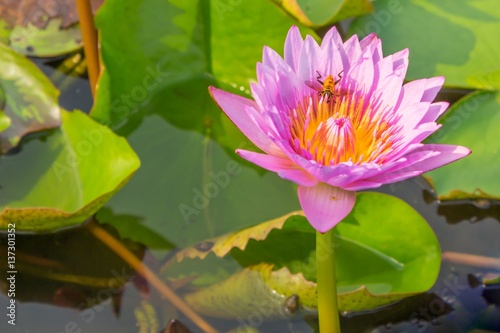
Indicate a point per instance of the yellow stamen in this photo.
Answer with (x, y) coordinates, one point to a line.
(340, 130)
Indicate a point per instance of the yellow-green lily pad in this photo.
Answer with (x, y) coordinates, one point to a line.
(49, 41)
(62, 178)
(382, 245)
(29, 98)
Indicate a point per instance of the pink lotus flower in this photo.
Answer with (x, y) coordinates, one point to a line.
(336, 118)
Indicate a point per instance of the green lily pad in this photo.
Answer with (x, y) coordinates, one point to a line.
(190, 45)
(198, 186)
(321, 13)
(453, 38)
(162, 105)
(30, 99)
(65, 177)
(49, 41)
(471, 122)
(382, 245)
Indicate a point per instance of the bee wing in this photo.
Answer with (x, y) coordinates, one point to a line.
(343, 92)
(314, 84)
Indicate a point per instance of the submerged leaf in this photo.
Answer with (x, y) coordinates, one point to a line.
(30, 99)
(380, 247)
(64, 178)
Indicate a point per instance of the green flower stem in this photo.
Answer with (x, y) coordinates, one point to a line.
(326, 284)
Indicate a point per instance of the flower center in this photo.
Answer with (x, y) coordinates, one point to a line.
(342, 129)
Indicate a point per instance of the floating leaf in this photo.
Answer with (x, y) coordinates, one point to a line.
(207, 199)
(30, 98)
(474, 176)
(163, 107)
(41, 29)
(430, 30)
(63, 179)
(382, 245)
(323, 12)
(191, 44)
(224, 244)
(49, 41)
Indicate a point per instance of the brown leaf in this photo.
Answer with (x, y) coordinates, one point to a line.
(40, 12)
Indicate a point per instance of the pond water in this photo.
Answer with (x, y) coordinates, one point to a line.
(70, 281)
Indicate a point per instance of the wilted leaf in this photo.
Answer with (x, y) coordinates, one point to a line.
(39, 13)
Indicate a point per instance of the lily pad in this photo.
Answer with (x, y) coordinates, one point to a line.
(30, 99)
(198, 185)
(41, 29)
(161, 103)
(64, 177)
(430, 30)
(49, 41)
(191, 45)
(321, 13)
(381, 246)
(472, 122)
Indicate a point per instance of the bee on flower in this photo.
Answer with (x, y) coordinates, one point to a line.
(328, 87)
(336, 136)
